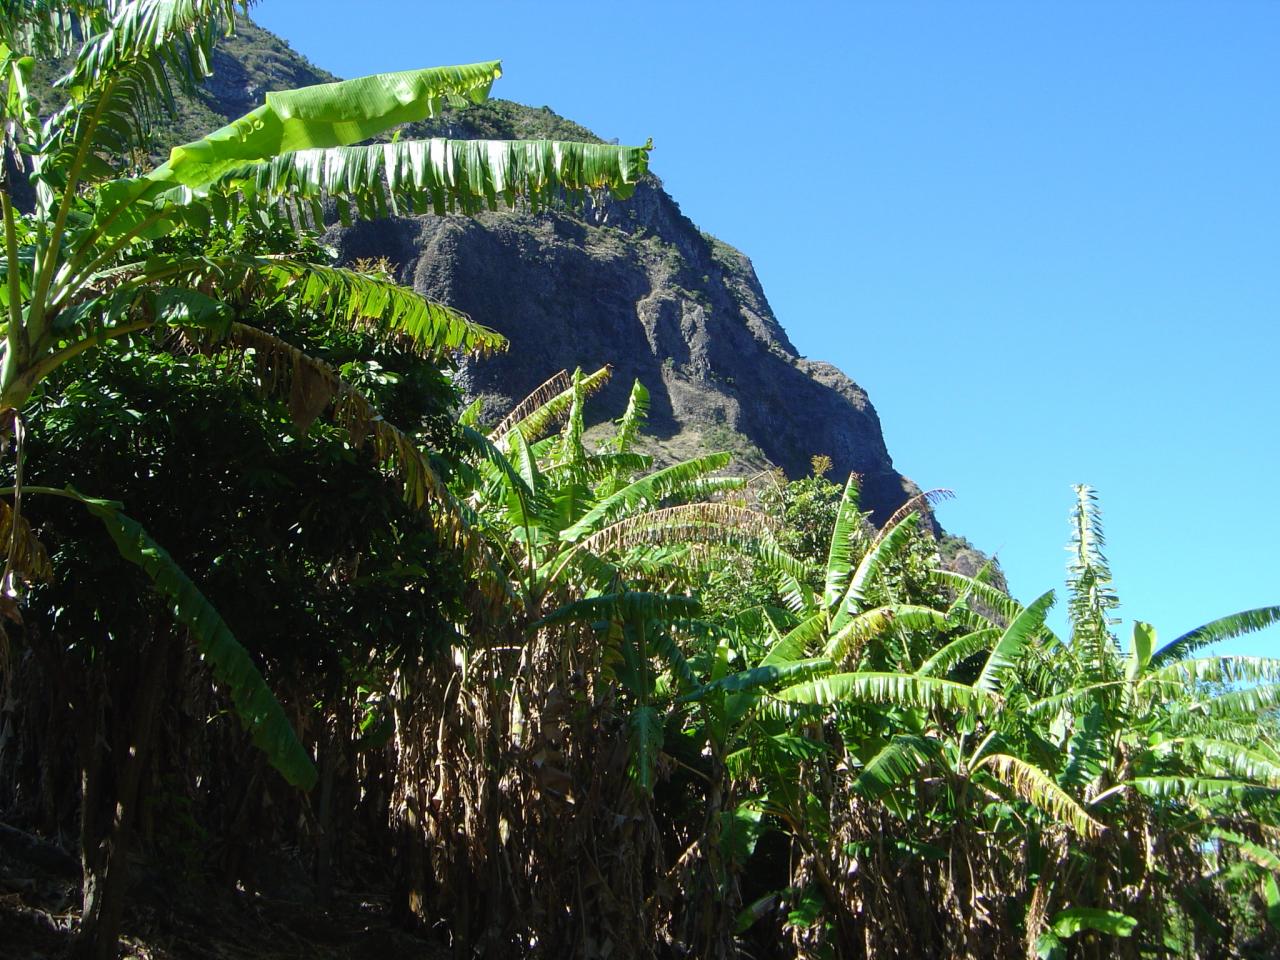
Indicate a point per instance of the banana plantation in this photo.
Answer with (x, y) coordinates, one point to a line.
(284, 617)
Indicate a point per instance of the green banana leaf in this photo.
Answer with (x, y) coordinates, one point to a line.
(231, 664)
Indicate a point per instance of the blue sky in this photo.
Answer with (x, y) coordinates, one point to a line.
(1044, 237)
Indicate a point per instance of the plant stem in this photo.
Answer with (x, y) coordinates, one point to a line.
(74, 275)
(55, 360)
(15, 280)
(44, 274)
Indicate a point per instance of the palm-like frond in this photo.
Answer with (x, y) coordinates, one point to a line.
(614, 465)
(773, 750)
(493, 463)
(570, 451)
(1224, 628)
(552, 388)
(871, 566)
(431, 328)
(890, 689)
(1008, 649)
(283, 133)
(1229, 670)
(49, 28)
(840, 555)
(646, 743)
(1091, 599)
(120, 81)
(1140, 648)
(917, 504)
(1038, 789)
(903, 757)
(995, 600)
(1086, 750)
(1197, 788)
(1073, 920)
(525, 464)
(675, 481)
(95, 137)
(781, 564)
(801, 638)
(1249, 701)
(663, 645)
(853, 636)
(1255, 853)
(327, 115)
(633, 418)
(536, 413)
(797, 596)
(513, 481)
(177, 33)
(1076, 698)
(683, 523)
(757, 678)
(959, 650)
(443, 176)
(633, 606)
(1236, 759)
(361, 299)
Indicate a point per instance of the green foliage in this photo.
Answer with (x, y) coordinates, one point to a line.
(1068, 923)
(809, 509)
(231, 665)
(669, 691)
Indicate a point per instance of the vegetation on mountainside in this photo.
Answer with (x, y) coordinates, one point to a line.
(246, 64)
(573, 705)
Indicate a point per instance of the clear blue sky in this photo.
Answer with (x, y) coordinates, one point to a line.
(1045, 237)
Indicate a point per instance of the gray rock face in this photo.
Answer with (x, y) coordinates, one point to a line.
(249, 64)
(636, 285)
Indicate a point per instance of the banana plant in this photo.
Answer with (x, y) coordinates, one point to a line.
(570, 522)
(839, 621)
(1155, 741)
(81, 269)
(1069, 750)
(831, 702)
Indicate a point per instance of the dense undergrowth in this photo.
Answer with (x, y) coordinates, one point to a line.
(284, 622)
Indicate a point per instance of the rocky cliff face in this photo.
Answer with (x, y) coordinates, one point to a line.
(636, 285)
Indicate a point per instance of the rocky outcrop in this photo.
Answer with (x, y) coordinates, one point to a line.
(636, 285)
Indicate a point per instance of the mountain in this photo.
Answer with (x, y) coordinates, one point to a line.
(635, 284)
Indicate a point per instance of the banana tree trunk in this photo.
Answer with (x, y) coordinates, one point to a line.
(716, 912)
